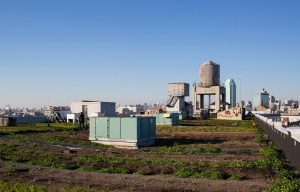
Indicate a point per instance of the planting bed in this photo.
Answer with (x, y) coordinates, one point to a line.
(207, 155)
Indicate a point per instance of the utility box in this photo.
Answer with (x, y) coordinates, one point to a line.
(123, 132)
(166, 118)
(178, 89)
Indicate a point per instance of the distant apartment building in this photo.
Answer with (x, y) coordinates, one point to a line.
(154, 110)
(260, 100)
(230, 88)
(248, 106)
(293, 104)
(62, 110)
(272, 99)
(288, 102)
(130, 109)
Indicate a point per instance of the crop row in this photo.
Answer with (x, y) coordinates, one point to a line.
(183, 149)
(19, 187)
(186, 128)
(260, 163)
(217, 122)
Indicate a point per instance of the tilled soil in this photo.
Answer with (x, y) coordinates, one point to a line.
(161, 178)
(57, 179)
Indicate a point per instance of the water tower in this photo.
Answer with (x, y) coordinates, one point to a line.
(209, 94)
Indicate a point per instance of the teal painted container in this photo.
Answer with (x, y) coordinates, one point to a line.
(166, 118)
(124, 132)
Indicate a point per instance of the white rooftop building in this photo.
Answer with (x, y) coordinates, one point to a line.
(90, 108)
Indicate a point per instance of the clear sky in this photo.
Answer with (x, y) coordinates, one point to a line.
(127, 51)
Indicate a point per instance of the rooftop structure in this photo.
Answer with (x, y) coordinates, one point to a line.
(124, 132)
(209, 74)
(176, 101)
(208, 90)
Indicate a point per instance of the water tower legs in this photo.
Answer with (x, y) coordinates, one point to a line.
(199, 101)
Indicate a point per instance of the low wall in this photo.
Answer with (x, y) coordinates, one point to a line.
(28, 120)
(235, 113)
(286, 139)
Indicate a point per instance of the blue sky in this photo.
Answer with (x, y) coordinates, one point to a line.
(127, 51)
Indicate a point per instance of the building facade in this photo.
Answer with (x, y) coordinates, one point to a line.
(260, 100)
(131, 110)
(89, 108)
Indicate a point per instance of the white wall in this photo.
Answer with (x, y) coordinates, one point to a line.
(93, 107)
(107, 108)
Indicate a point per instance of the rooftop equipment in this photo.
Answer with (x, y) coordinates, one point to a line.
(176, 100)
(209, 74)
(123, 132)
(208, 90)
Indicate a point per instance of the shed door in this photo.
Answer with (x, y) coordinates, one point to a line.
(102, 128)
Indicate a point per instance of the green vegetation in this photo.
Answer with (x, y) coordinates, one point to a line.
(184, 149)
(260, 163)
(15, 170)
(217, 122)
(62, 139)
(36, 128)
(191, 173)
(12, 158)
(143, 172)
(288, 185)
(38, 132)
(87, 168)
(260, 139)
(120, 170)
(47, 163)
(236, 177)
(286, 180)
(269, 157)
(18, 187)
(186, 128)
(212, 125)
(272, 152)
(114, 170)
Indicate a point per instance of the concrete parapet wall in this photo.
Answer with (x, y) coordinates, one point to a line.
(284, 138)
(28, 120)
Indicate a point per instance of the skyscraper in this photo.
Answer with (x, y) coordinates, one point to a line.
(230, 92)
(261, 99)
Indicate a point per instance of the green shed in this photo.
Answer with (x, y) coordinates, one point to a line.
(166, 118)
(126, 132)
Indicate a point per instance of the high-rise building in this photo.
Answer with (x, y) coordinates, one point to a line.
(261, 99)
(230, 92)
(288, 102)
(272, 99)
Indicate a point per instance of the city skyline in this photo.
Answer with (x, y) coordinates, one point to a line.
(56, 52)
